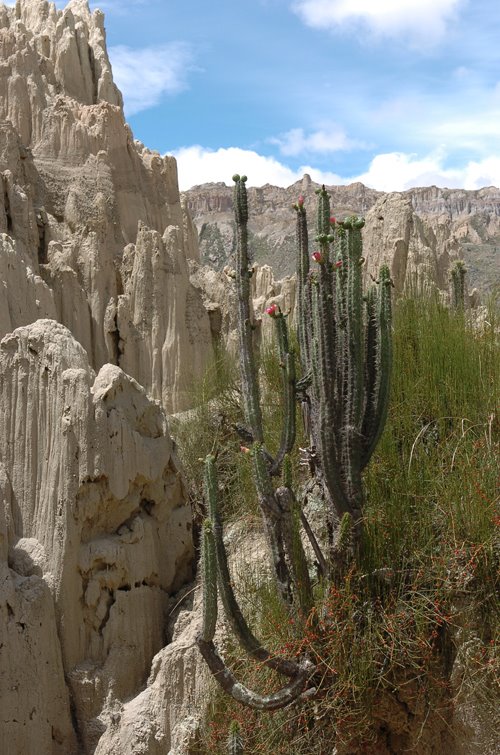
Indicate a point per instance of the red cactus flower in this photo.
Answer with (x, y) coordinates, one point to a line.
(317, 257)
(333, 220)
(272, 311)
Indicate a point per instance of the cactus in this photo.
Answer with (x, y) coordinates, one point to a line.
(234, 740)
(458, 285)
(350, 354)
(345, 355)
(277, 520)
(215, 571)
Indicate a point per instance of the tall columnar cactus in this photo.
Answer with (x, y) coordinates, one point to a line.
(346, 339)
(458, 285)
(345, 352)
(276, 511)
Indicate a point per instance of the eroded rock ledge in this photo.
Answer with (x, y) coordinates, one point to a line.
(94, 537)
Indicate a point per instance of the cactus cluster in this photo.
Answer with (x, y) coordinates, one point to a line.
(345, 344)
(345, 355)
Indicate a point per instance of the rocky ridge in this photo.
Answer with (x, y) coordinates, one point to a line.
(419, 232)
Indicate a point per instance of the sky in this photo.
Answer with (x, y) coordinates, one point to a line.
(393, 93)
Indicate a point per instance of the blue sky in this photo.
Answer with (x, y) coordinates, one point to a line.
(395, 93)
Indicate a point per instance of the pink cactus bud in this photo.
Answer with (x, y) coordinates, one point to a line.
(300, 201)
(338, 263)
(317, 257)
(333, 220)
(272, 311)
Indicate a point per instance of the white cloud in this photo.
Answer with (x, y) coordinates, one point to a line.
(325, 140)
(424, 21)
(393, 171)
(397, 171)
(197, 165)
(145, 75)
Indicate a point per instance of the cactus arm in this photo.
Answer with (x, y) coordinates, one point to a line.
(272, 516)
(231, 607)
(353, 400)
(294, 548)
(286, 695)
(380, 364)
(458, 285)
(323, 567)
(287, 361)
(250, 386)
(304, 302)
(209, 579)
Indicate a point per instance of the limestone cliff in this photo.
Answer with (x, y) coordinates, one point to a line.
(90, 215)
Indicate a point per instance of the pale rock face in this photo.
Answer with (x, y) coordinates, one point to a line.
(77, 191)
(416, 253)
(95, 527)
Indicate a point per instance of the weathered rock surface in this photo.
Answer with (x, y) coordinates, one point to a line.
(96, 531)
(83, 206)
(419, 232)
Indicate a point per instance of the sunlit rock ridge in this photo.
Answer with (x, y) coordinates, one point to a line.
(92, 220)
(419, 232)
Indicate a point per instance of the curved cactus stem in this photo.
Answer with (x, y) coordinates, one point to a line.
(286, 695)
(231, 607)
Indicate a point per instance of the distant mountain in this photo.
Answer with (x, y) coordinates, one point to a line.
(420, 231)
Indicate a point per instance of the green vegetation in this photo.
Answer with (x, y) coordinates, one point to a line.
(420, 599)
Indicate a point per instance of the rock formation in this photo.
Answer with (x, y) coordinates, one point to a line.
(419, 232)
(95, 529)
(91, 216)
(97, 535)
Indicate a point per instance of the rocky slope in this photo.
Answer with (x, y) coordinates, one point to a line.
(419, 231)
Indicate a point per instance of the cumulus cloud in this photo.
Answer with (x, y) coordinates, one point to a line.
(425, 21)
(397, 171)
(197, 165)
(145, 75)
(392, 171)
(325, 140)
